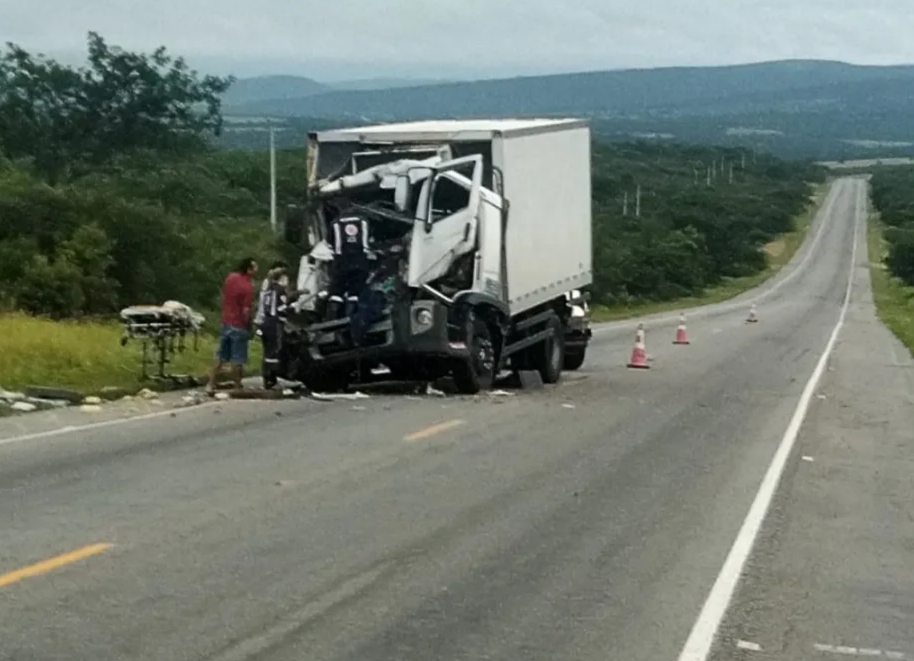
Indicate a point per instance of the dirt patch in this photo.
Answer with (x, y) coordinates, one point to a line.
(775, 248)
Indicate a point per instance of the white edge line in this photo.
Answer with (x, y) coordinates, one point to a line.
(824, 211)
(700, 640)
(60, 431)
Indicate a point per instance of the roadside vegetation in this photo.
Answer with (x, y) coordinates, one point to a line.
(891, 249)
(114, 193)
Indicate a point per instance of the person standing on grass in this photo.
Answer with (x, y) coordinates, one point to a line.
(237, 318)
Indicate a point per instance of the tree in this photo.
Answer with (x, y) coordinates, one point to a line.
(66, 119)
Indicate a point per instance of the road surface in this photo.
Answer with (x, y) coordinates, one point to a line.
(586, 521)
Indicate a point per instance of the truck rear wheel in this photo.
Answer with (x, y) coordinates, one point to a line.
(478, 373)
(574, 358)
(550, 357)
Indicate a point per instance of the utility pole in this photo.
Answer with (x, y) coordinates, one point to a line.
(272, 181)
(638, 201)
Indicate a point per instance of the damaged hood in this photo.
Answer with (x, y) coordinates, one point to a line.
(385, 175)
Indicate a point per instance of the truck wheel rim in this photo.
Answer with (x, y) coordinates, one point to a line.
(484, 359)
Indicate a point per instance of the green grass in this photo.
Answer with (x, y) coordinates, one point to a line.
(85, 356)
(894, 300)
(780, 252)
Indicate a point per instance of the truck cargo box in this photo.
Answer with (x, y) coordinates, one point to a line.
(541, 166)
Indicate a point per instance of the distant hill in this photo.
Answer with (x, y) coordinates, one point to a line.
(271, 88)
(370, 84)
(253, 91)
(795, 108)
(668, 91)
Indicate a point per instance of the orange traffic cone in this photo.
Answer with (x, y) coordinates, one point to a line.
(753, 315)
(681, 337)
(639, 353)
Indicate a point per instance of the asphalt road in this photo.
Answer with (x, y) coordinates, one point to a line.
(584, 521)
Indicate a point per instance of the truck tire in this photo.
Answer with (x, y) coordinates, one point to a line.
(549, 358)
(574, 358)
(478, 373)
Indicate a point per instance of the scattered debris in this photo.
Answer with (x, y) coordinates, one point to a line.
(90, 408)
(147, 394)
(820, 396)
(568, 406)
(806, 457)
(92, 400)
(328, 397)
(431, 391)
(500, 393)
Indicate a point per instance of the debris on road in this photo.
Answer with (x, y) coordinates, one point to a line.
(433, 392)
(328, 397)
(500, 393)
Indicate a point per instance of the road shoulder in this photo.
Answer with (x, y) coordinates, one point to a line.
(831, 575)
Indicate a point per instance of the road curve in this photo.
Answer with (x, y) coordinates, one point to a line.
(585, 521)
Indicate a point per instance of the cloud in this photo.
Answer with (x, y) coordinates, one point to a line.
(446, 38)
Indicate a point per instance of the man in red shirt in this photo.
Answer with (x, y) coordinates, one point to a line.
(237, 316)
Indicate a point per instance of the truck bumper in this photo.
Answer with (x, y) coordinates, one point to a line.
(418, 329)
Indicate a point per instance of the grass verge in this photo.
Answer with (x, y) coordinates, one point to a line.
(779, 253)
(894, 300)
(85, 356)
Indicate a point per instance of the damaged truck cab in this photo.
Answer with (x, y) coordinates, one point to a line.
(442, 248)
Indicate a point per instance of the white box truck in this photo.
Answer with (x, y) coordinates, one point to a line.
(442, 248)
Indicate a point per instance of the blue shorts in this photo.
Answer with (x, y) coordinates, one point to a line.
(233, 345)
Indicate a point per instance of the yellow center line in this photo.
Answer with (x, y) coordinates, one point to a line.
(432, 430)
(51, 564)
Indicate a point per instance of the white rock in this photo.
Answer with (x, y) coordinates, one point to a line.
(92, 400)
(90, 408)
(146, 393)
(23, 407)
(11, 396)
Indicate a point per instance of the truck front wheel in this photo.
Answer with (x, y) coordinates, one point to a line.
(478, 373)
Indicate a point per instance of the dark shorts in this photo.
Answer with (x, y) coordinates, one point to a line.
(233, 345)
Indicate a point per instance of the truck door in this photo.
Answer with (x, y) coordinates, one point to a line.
(446, 220)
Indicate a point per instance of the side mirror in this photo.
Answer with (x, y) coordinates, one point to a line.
(294, 226)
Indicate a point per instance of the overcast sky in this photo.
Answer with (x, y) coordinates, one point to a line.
(345, 39)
